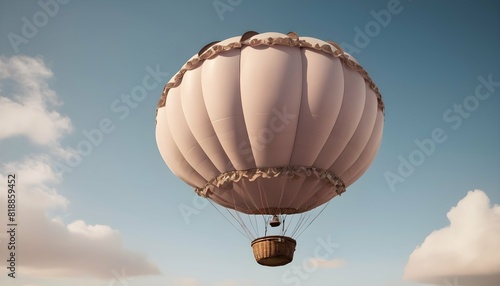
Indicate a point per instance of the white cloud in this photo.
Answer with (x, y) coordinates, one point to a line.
(47, 247)
(27, 109)
(232, 282)
(468, 250)
(186, 281)
(327, 263)
(190, 281)
(35, 170)
(98, 231)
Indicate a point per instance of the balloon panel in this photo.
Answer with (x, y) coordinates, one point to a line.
(368, 155)
(271, 87)
(184, 139)
(359, 139)
(171, 153)
(224, 107)
(351, 110)
(322, 92)
(195, 112)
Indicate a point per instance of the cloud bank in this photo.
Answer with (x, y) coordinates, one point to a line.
(327, 263)
(47, 246)
(467, 251)
(28, 110)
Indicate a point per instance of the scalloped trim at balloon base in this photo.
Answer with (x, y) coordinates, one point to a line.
(225, 180)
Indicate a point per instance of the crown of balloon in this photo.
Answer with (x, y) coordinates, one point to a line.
(215, 48)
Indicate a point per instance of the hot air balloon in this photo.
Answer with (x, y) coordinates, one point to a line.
(270, 127)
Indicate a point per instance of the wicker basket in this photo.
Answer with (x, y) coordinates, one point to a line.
(273, 250)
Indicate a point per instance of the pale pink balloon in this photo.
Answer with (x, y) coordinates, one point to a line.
(270, 124)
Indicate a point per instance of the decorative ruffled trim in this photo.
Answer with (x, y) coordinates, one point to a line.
(271, 172)
(292, 40)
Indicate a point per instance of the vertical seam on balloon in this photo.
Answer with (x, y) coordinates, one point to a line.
(313, 188)
(300, 191)
(296, 193)
(292, 201)
(305, 204)
(372, 154)
(298, 118)
(261, 192)
(250, 198)
(256, 205)
(177, 146)
(281, 196)
(249, 210)
(359, 121)
(195, 146)
(178, 165)
(300, 103)
(356, 131)
(367, 141)
(223, 153)
(263, 197)
(338, 113)
(242, 111)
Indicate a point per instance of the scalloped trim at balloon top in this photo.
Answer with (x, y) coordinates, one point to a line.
(291, 40)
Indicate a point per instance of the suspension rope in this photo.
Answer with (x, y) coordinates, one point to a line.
(229, 220)
(302, 218)
(240, 221)
(263, 197)
(324, 207)
(254, 226)
(283, 227)
(289, 224)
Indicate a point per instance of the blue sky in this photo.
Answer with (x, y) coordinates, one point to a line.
(67, 68)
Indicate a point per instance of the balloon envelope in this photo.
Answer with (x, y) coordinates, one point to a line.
(270, 123)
